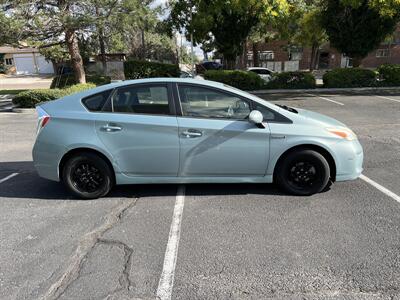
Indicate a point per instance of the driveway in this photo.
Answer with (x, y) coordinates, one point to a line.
(208, 241)
(24, 82)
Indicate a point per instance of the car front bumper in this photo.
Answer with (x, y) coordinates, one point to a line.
(349, 160)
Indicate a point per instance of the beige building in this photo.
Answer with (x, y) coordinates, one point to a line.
(25, 61)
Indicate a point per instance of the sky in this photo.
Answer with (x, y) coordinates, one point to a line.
(197, 50)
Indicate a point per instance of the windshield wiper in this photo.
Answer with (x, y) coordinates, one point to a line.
(291, 109)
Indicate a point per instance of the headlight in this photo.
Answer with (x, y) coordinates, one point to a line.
(344, 133)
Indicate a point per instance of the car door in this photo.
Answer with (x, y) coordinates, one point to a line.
(141, 130)
(216, 138)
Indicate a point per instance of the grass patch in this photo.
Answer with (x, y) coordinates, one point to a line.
(11, 92)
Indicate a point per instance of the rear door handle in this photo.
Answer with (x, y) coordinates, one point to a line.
(191, 133)
(111, 128)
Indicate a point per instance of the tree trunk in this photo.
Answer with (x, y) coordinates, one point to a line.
(313, 59)
(103, 50)
(356, 61)
(256, 62)
(76, 58)
(143, 45)
(102, 43)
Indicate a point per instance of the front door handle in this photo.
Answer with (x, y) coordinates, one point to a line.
(111, 128)
(191, 133)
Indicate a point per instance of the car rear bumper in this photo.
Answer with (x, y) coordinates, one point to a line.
(349, 165)
(45, 159)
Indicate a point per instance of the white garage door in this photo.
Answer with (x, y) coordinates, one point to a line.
(25, 65)
(45, 67)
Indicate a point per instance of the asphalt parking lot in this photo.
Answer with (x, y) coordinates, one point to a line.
(208, 241)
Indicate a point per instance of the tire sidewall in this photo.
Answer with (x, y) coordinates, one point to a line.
(311, 156)
(96, 161)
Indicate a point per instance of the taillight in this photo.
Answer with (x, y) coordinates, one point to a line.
(43, 118)
(44, 121)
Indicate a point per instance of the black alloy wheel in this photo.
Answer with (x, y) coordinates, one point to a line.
(87, 175)
(303, 172)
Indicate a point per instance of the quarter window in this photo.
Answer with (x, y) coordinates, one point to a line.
(142, 100)
(96, 102)
(209, 103)
(270, 115)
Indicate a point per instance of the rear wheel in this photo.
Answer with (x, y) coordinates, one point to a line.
(305, 172)
(87, 176)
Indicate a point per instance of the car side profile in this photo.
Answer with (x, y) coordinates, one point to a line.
(264, 73)
(178, 130)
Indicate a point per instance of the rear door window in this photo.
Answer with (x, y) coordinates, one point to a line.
(142, 99)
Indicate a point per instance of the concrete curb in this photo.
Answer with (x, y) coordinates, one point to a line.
(322, 90)
(23, 110)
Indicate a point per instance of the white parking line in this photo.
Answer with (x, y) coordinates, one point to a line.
(381, 188)
(166, 283)
(326, 99)
(8, 177)
(387, 98)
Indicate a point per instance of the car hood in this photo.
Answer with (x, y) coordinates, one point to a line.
(319, 118)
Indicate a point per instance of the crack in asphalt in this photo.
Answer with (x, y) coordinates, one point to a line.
(124, 279)
(85, 246)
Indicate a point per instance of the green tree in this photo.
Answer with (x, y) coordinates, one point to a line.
(356, 27)
(52, 22)
(310, 33)
(225, 24)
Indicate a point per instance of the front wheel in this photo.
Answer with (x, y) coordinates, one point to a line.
(87, 176)
(303, 173)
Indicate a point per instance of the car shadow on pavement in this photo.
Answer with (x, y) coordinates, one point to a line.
(28, 185)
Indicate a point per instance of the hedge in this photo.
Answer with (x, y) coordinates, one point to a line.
(292, 80)
(349, 78)
(389, 75)
(67, 80)
(135, 69)
(239, 79)
(29, 99)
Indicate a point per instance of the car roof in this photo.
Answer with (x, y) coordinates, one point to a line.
(147, 81)
(73, 102)
(258, 68)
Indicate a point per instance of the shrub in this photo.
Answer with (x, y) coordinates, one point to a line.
(389, 75)
(29, 99)
(135, 69)
(292, 80)
(350, 77)
(239, 79)
(67, 80)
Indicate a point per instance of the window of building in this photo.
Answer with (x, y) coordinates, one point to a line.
(382, 53)
(266, 55)
(9, 61)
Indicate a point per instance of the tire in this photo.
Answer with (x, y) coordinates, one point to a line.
(303, 173)
(87, 176)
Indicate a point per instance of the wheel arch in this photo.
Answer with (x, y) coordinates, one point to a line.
(75, 151)
(321, 150)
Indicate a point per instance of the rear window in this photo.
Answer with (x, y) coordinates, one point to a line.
(96, 102)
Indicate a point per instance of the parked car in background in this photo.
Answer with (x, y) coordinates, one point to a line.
(185, 74)
(173, 130)
(264, 73)
(208, 65)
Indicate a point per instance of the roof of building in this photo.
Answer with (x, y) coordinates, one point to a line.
(13, 50)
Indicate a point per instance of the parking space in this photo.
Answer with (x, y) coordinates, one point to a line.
(207, 241)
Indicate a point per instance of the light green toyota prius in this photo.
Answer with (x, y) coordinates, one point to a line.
(171, 130)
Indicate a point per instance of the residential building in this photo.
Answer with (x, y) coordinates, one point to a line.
(280, 56)
(25, 60)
